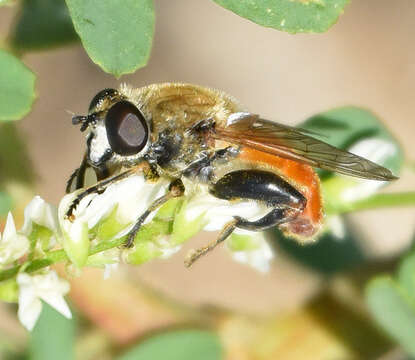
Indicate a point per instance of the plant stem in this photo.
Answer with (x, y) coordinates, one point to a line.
(374, 202)
(56, 256)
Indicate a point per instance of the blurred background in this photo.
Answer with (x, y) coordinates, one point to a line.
(367, 59)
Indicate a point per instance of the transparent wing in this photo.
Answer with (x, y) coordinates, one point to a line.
(295, 144)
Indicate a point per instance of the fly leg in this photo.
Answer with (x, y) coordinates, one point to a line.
(284, 200)
(78, 176)
(176, 189)
(100, 186)
(224, 234)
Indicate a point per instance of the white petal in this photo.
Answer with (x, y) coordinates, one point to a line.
(51, 289)
(165, 247)
(259, 258)
(218, 212)
(336, 225)
(29, 313)
(12, 245)
(58, 303)
(41, 213)
(9, 228)
(108, 269)
(132, 195)
(29, 304)
(48, 287)
(373, 149)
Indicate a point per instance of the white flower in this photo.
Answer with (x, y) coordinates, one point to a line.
(12, 245)
(32, 289)
(132, 195)
(336, 226)
(40, 212)
(218, 212)
(257, 255)
(373, 149)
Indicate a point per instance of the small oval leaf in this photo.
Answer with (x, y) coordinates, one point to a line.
(178, 345)
(292, 16)
(17, 87)
(393, 310)
(42, 24)
(117, 35)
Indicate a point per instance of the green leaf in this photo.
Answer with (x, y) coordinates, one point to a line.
(328, 254)
(238, 242)
(9, 290)
(53, 337)
(406, 275)
(76, 244)
(292, 16)
(393, 310)
(14, 157)
(107, 228)
(17, 87)
(116, 35)
(184, 229)
(178, 345)
(5, 203)
(168, 211)
(43, 24)
(5, 2)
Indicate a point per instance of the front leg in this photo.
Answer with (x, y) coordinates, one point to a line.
(100, 186)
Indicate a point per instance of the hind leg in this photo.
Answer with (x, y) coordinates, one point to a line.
(266, 187)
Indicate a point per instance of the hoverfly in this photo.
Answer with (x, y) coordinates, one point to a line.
(179, 131)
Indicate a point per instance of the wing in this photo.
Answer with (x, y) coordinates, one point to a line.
(295, 144)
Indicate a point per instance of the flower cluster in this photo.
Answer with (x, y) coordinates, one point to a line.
(98, 230)
(37, 236)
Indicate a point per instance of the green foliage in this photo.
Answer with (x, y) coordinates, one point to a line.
(5, 2)
(178, 345)
(328, 254)
(393, 307)
(5, 203)
(292, 16)
(43, 24)
(116, 35)
(52, 337)
(15, 164)
(9, 291)
(17, 87)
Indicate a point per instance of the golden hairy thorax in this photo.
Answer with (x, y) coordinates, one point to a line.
(184, 104)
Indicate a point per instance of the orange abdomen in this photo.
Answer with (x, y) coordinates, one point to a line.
(304, 179)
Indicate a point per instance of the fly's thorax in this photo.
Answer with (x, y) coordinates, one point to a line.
(152, 123)
(183, 104)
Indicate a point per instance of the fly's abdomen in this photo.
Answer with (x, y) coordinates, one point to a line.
(304, 178)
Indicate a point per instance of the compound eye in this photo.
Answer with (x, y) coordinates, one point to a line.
(127, 130)
(103, 94)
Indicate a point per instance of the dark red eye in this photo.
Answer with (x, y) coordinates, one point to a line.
(127, 130)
